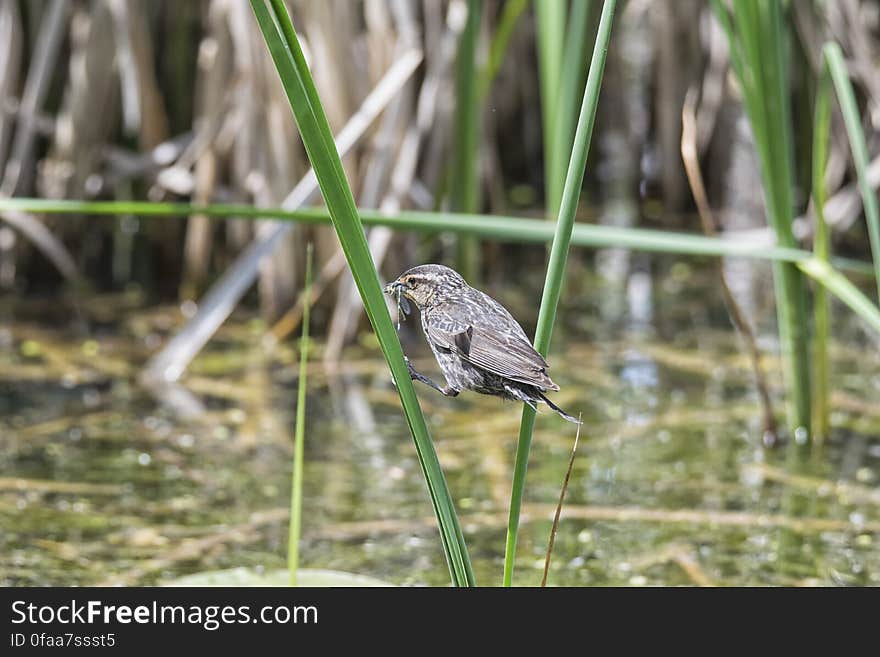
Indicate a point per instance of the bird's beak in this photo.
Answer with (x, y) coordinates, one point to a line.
(391, 288)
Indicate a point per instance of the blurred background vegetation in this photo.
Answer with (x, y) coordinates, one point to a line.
(168, 101)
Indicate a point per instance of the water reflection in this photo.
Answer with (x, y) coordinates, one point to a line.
(101, 484)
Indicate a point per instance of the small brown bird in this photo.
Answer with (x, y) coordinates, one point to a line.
(477, 343)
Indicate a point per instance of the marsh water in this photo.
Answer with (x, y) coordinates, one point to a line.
(672, 485)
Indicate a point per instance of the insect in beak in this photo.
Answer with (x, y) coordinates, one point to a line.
(403, 307)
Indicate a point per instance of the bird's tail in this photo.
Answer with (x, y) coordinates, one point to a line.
(562, 413)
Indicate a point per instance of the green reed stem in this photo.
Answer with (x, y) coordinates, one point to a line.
(550, 18)
(556, 267)
(510, 15)
(571, 85)
(822, 251)
(838, 284)
(757, 40)
(296, 483)
(836, 68)
(287, 55)
(489, 227)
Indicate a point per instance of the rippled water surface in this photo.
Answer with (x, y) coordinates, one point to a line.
(101, 484)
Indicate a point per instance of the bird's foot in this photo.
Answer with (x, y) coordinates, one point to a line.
(448, 391)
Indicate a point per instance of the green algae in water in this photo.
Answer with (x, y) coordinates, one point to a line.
(671, 427)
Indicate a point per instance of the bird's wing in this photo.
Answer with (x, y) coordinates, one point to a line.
(502, 315)
(505, 353)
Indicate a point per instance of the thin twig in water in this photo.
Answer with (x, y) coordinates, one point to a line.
(553, 529)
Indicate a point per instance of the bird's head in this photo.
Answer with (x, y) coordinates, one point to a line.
(427, 284)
